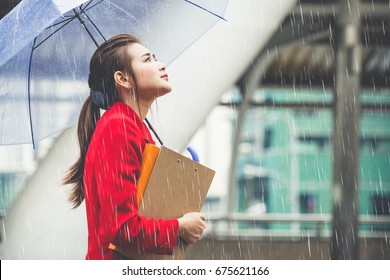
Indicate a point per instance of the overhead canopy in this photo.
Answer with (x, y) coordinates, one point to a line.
(214, 64)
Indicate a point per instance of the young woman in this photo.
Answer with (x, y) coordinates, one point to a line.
(125, 78)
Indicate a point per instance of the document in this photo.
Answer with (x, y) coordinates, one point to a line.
(169, 186)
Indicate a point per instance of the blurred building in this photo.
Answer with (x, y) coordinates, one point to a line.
(285, 159)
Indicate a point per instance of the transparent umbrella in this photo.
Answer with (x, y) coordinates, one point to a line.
(45, 47)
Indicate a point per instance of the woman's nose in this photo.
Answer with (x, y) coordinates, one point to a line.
(162, 66)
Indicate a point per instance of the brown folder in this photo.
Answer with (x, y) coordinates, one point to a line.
(170, 185)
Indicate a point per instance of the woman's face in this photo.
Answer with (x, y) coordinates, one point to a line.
(150, 74)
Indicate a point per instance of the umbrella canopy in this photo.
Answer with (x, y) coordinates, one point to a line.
(46, 45)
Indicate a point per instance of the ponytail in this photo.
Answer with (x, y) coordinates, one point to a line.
(89, 115)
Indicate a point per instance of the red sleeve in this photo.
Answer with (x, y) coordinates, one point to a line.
(118, 171)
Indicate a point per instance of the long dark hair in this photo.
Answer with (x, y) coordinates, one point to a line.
(111, 56)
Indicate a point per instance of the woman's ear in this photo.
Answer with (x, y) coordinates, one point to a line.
(123, 80)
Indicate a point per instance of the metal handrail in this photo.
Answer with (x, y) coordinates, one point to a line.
(319, 230)
(283, 217)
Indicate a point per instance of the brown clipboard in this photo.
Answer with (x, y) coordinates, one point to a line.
(169, 186)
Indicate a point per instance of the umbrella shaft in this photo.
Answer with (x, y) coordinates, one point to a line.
(86, 28)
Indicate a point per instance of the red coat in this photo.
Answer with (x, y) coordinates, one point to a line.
(111, 173)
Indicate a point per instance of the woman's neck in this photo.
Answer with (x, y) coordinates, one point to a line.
(140, 107)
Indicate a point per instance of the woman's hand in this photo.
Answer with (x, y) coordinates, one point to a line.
(191, 226)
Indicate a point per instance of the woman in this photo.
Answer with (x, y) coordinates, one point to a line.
(125, 78)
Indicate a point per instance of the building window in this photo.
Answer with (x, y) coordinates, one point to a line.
(10, 186)
(253, 198)
(307, 203)
(268, 134)
(319, 141)
(381, 206)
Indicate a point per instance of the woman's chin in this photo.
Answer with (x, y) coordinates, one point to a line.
(164, 91)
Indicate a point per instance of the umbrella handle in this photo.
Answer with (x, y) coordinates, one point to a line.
(194, 154)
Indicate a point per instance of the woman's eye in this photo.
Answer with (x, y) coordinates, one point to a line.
(149, 58)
